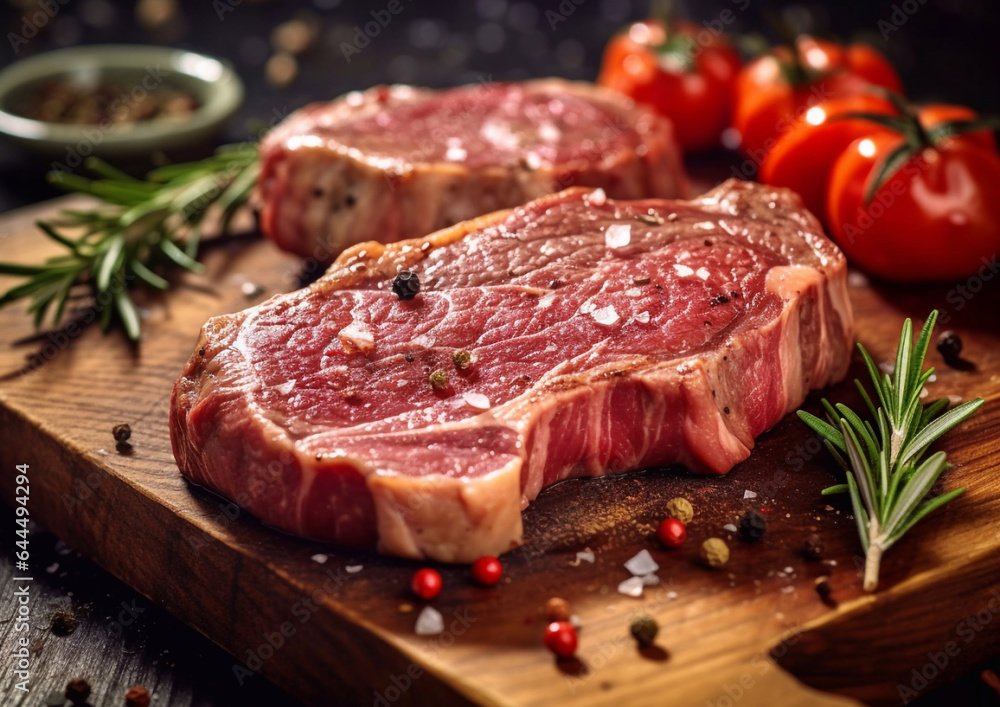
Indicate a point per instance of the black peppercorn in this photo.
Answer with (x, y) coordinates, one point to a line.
(406, 284)
(121, 432)
(813, 548)
(949, 344)
(77, 691)
(752, 527)
(63, 622)
(823, 588)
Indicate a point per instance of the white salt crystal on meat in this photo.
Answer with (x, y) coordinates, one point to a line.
(476, 400)
(605, 315)
(618, 235)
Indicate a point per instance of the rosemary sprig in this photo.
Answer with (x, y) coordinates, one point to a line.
(887, 476)
(138, 233)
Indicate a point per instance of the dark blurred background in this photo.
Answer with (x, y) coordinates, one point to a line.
(289, 53)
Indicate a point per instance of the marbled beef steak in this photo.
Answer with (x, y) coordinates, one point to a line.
(604, 336)
(399, 162)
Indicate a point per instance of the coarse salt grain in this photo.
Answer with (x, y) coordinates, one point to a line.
(618, 235)
(633, 292)
(749, 494)
(650, 580)
(353, 569)
(605, 315)
(729, 527)
(631, 587)
(476, 400)
(429, 622)
(358, 335)
(642, 317)
(642, 563)
(586, 555)
(597, 197)
(320, 558)
(546, 300)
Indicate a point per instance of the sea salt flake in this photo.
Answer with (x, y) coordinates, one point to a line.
(887, 368)
(631, 587)
(357, 335)
(954, 399)
(642, 563)
(286, 387)
(749, 494)
(702, 273)
(730, 527)
(650, 580)
(633, 292)
(683, 270)
(598, 197)
(642, 317)
(789, 570)
(618, 235)
(476, 400)
(429, 622)
(353, 569)
(320, 558)
(587, 307)
(546, 300)
(585, 555)
(605, 315)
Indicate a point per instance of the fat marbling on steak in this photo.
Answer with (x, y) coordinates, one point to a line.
(604, 336)
(398, 162)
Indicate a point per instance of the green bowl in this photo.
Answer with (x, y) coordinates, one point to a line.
(214, 85)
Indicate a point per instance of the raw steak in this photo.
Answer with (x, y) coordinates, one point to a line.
(604, 336)
(399, 162)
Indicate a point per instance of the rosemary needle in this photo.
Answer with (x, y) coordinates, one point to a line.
(138, 232)
(887, 475)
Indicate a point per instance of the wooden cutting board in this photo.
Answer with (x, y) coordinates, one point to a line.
(755, 633)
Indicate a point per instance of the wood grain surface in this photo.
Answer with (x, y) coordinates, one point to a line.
(753, 633)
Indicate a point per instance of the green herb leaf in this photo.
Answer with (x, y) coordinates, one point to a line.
(136, 226)
(887, 482)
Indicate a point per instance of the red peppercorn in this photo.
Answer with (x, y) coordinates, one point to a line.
(487, 570)
(426, 583)
(560, 638)
(671, 532)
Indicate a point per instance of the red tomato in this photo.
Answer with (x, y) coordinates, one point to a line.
(866, 62)
(685, 72)
(560, 638)
(803, 157)
(935, 219)
(671, 532)
(487, 570)
(772, 91)
(426, 583)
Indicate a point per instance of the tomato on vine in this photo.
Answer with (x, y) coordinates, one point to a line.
(918, 202)
(775, 89)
